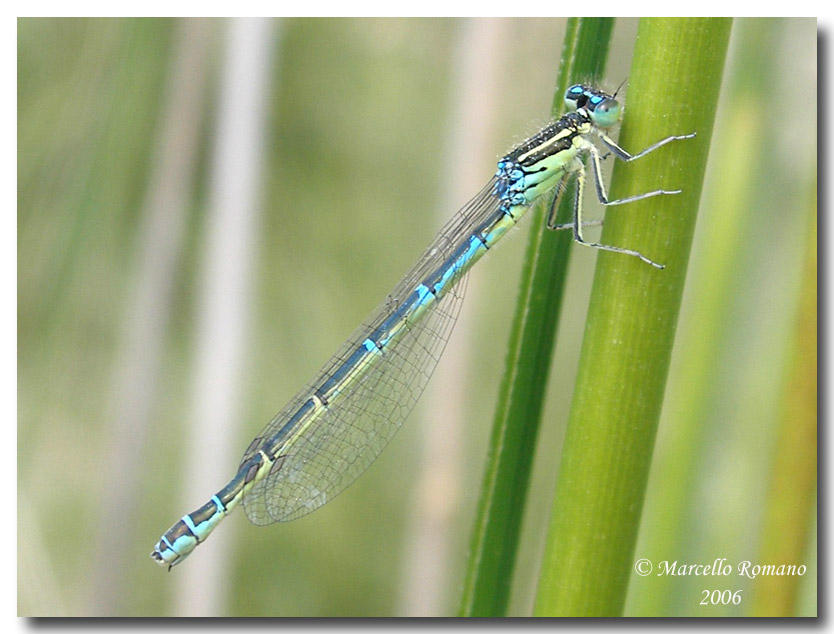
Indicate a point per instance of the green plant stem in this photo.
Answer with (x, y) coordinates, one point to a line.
(675, 80)
(494, 544)
(728, 217)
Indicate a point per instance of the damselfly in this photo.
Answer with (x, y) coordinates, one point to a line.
(340, 422)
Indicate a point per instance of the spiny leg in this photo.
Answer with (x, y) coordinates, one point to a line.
(600, 186)
(625, 156)
(554, 206)
(578, 224)
(586, 223)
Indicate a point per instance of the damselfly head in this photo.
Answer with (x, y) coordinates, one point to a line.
(603, 109)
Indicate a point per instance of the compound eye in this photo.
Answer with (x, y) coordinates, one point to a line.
(605, 112)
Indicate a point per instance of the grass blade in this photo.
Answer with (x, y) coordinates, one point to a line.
(495, 537)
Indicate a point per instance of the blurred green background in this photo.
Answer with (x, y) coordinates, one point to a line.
(374, 132)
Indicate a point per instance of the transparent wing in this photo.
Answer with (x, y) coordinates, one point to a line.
(329, 454)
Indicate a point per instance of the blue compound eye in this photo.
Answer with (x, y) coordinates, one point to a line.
(605, 112)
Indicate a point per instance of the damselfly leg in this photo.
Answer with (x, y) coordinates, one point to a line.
(578, 171)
